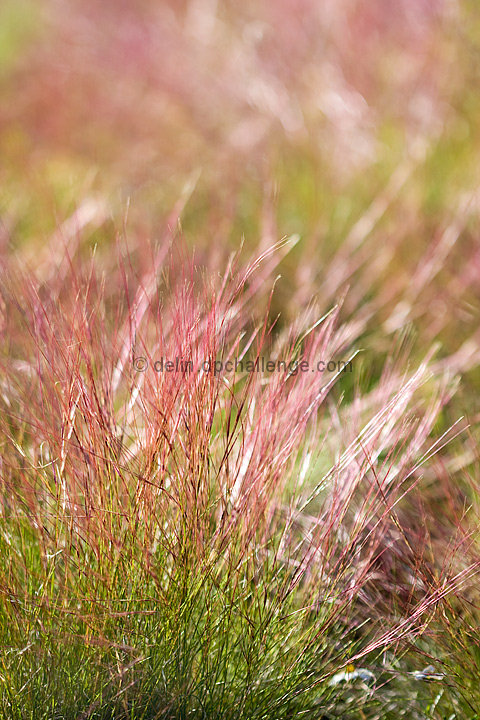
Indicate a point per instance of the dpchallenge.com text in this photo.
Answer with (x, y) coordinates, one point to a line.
(236, 365)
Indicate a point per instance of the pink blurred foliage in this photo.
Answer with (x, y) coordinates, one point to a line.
(201, 78)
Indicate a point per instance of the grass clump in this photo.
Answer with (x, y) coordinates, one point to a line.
(194, 543)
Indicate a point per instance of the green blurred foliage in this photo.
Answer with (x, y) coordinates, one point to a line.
(20, 20)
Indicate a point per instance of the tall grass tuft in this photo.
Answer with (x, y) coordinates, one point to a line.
(193, 541)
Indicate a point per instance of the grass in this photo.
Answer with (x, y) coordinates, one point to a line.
(205, 182)
(172, 547)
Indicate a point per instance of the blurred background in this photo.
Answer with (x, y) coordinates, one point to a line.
(352, 125)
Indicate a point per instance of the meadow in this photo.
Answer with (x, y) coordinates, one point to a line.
(239, 360)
